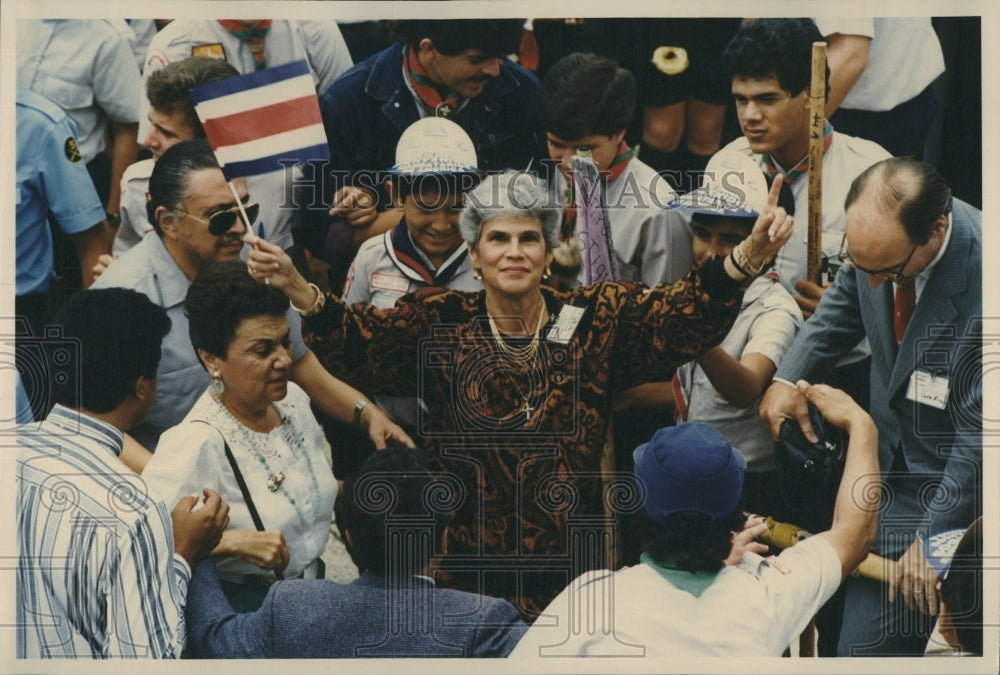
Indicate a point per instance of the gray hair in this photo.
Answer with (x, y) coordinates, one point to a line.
(511, 193)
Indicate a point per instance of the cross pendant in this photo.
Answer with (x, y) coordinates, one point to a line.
(527, 410)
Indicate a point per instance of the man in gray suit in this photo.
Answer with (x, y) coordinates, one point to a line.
(395, 514)
(925, 329)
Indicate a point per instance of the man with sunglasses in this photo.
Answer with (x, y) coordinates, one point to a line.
(911, 282)
(198, 223)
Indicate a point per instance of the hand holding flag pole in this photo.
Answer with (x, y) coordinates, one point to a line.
(265, 121)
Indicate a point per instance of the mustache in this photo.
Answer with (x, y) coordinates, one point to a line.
(229, 240)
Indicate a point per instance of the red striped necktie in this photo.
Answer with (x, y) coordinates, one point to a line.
(906, 301)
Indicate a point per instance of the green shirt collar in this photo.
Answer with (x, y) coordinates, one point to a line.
(694, 583)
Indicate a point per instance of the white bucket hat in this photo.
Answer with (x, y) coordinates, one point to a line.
(734, 185)
(434, 145)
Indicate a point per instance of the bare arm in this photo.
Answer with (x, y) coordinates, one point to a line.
(658, 395)
(267, 550)
(855, 513)
(338, 399)
(847, 56)
(135, 455)
(739, 382)
(124, 152)
(383, 222)
(90, 245)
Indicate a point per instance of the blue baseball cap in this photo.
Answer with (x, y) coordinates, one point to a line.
(690, 467)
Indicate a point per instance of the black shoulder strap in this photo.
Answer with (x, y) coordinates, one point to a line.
(258, 523)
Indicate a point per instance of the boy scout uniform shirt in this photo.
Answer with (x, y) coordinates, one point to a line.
(318, 42)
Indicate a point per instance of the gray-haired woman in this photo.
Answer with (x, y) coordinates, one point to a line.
(516, 380)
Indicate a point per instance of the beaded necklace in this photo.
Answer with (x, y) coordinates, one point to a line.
(276, 478)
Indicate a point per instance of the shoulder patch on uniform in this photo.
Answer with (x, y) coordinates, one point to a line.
(72, 150)
(214, 50)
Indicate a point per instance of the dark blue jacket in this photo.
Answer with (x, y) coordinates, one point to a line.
(366, 110)
(316, 618)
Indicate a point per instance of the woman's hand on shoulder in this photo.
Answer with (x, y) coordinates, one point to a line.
(266, 550)
(381, 429)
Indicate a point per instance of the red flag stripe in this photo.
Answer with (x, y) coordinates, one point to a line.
(251, 125)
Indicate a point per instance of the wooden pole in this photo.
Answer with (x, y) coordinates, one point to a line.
(784, 535)
(817, 120)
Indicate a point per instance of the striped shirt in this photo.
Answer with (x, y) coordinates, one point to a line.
(96, 575)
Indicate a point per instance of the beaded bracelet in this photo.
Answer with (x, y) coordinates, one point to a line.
(316, 307)
(743, 264)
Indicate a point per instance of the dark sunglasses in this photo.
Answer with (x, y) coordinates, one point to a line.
(220, 221)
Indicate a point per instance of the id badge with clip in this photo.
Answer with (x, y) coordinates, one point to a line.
(928, 389)
(565, 325)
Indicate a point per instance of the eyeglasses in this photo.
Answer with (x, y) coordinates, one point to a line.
(894, 273)
(220, 221)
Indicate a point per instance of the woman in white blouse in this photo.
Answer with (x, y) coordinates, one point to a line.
(250, 424)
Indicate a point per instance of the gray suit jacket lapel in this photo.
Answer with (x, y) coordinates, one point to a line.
(936, 310)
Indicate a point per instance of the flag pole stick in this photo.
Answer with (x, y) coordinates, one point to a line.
(239, 204)
(243, 215)
(817, 95)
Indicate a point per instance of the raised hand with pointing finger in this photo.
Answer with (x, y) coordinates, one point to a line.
(770, 232)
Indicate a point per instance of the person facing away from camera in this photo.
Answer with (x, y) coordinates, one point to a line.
(103, 566)
(395, 516)
(698, 590)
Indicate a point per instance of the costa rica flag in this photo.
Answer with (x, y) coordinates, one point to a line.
(264, 121)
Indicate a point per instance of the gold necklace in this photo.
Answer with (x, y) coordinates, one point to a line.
(523, 354)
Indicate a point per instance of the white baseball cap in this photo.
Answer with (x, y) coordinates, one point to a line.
(734, 185)
(434, 145)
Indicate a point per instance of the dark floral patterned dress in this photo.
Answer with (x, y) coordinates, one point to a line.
(519, 444)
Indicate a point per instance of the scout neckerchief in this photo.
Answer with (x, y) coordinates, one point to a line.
(254, 37)
(617, 168)
(694, 583)
(443, 106)
(771, 167)
(410, 261)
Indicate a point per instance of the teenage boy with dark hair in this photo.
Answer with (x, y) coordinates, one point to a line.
(586, 102)
(445, 68)
(395, 527)
(769, 61)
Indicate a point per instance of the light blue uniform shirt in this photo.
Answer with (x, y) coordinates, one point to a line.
(51, 176)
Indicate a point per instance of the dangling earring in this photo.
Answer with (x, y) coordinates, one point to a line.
(477, 274)
(547, 273)
(218, 386)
